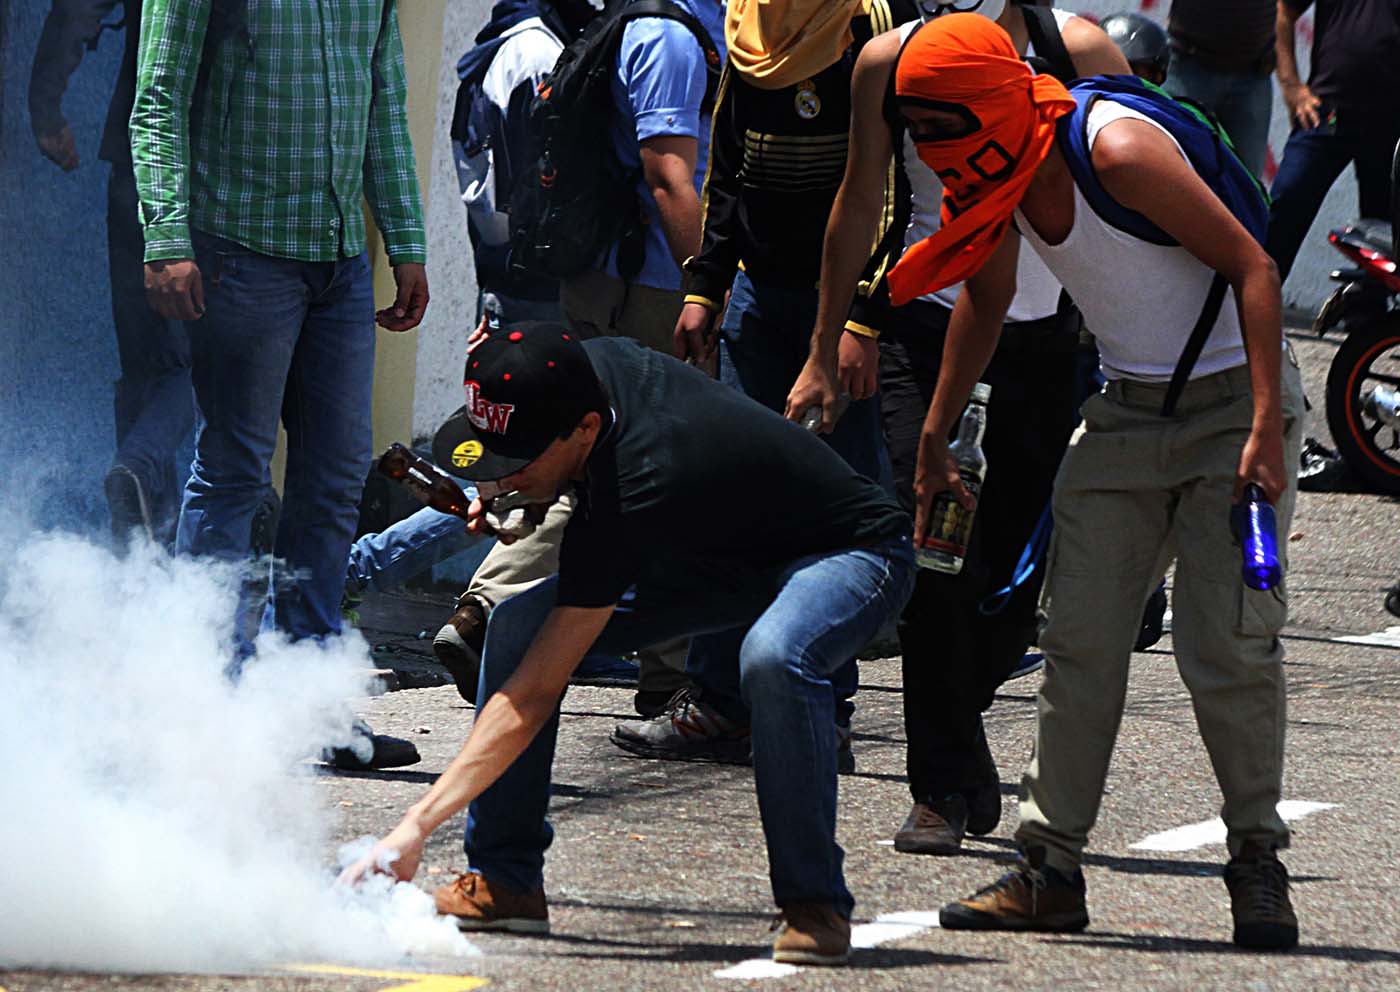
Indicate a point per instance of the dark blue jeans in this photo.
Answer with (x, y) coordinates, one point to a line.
(1312, 161)
(1242, 101)
(764, 341)
(797, 626)
(288, 341)
(153, 401)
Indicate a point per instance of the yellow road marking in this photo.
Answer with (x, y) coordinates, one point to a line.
(413, 981)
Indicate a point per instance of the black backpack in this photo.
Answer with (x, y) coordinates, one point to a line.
(576, 200)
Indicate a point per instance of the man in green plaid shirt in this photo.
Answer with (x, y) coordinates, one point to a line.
(259, 128)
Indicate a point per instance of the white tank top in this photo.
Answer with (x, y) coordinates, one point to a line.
(1140, 300)
(1037, 291)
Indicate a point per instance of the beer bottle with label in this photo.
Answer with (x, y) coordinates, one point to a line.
(425, 480)
(950, 525)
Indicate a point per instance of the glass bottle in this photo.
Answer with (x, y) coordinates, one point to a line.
(950, 524)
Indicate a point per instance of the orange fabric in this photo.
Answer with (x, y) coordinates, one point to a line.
(969, 60)
(779, 43)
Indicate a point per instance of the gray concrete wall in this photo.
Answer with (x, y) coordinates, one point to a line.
(452, 314)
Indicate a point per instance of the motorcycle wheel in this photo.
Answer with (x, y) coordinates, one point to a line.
(1370, 356)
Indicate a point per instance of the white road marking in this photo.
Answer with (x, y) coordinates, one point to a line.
(757, 968)
(891, 926)
(1388, 638)
(885, 928)
(1195, 835)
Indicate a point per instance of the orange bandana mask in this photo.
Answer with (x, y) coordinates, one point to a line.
(986, 125)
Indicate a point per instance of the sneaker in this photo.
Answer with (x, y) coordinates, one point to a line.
(688, 731)
(983, 809)
(127, 504)
(458, 645)
(812, 933)
(368, 751)
(1030, 663)
(1259, 903)
(934, 827)
(1033, 897)
(845, 755)
(481, 905)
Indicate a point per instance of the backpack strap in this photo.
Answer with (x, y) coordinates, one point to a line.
(675, 12)
(1049, 45)
(1205, 323)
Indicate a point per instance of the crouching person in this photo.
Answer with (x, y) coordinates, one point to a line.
(699, 512)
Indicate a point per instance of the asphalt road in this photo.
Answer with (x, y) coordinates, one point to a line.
(657, 878)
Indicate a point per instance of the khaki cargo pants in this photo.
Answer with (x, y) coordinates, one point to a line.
(1136, 490)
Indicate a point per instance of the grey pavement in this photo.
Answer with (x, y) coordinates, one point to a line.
(657, 878)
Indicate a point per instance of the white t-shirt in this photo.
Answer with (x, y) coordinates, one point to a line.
(1037, 291)
(1141, 300)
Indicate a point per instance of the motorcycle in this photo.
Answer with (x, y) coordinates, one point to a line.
(1363, 381)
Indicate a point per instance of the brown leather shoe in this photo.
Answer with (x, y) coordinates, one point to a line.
(458, 645)
(1263, 914)
(480, 905)
(934, 828)
(812, 933)
(1033, 897)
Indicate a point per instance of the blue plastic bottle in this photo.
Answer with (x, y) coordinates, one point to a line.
(1252, 520)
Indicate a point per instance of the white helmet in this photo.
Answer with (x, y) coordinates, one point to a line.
(929, 9)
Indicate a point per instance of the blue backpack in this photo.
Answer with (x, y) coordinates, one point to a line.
(1211, 154)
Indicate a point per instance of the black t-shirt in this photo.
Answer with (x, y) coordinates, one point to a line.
(1355, 54)
(1235, 35)
(695, 478)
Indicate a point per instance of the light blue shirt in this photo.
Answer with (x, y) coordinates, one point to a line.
(658, 89)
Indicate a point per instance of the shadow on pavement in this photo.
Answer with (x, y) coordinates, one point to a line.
(604, 948)
(389, 775)
(1130, 866)
(1178, 945)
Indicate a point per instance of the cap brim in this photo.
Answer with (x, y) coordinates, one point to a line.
(457, 448)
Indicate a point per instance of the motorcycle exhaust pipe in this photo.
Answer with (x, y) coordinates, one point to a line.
(1383, 403)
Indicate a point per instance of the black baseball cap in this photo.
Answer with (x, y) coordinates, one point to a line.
(527, 384)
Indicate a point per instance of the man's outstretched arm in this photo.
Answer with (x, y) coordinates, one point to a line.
(850, 236)
(504, 728)
(973, 332)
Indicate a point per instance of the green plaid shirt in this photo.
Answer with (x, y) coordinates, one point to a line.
(296, 114)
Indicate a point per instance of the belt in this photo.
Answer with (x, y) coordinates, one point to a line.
(1202, 393)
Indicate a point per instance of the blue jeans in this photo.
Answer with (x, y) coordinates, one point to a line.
(153, 401)
(800, 623)
(388, 559)
(1242, 102)
(1312, 161)
(764, 341)
(290, 341)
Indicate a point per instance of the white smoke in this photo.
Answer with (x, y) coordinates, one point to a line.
(153, 816)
